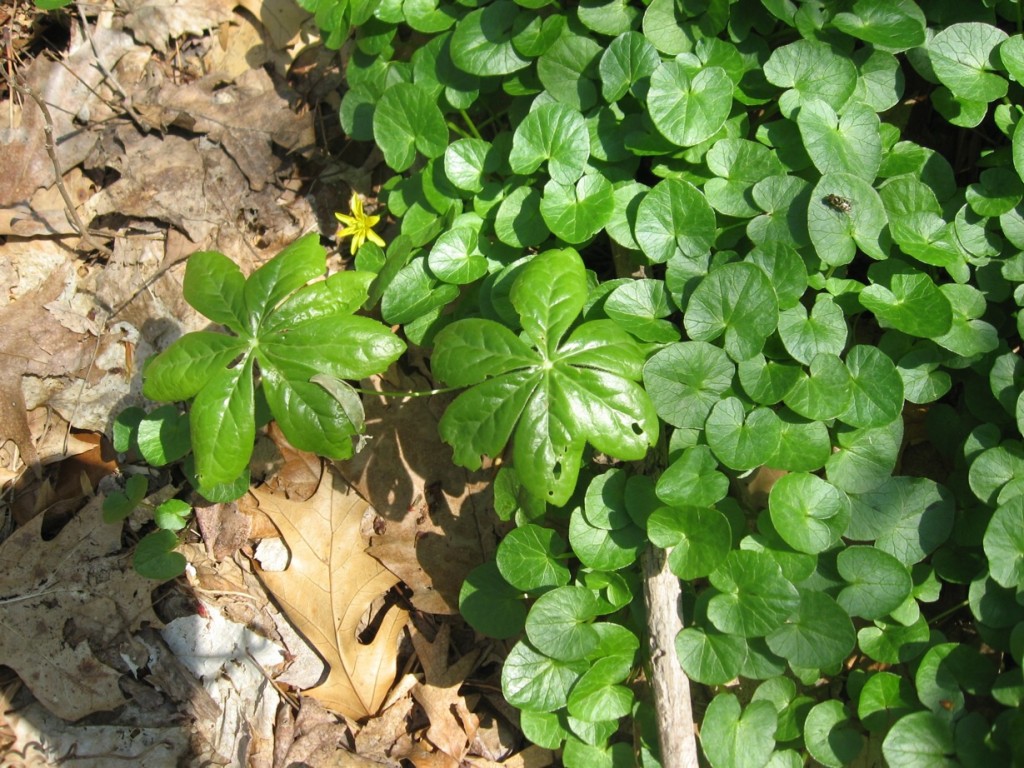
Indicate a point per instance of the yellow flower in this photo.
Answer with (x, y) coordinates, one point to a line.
(359, 226)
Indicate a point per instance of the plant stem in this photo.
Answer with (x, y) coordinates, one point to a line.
(423, 393)
(671, 686)
(455, 129)
(469, 123)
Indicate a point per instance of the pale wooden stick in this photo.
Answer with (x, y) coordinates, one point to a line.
(676, 733)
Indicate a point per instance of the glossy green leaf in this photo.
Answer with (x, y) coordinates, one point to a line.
(693, 479)
(163, 436)
(686, 380)
(604, 504)
(845, 215)
(519, 222)
(491, 605)
(577, 212)
(885, 698)
(629, 57)
(555, 134)
(736, 300)
(308, 414)
(876, 389)
(558, 624)
(910, 302)
(963, 57)
(698, 536)
(808, 513)
(907, 517)
(530, 558)
(740, 439)
(568, 69)
(877, 583)
(810, 70)
(920, 740)
(185, 367)
(482, 41)
(467, 162)
(602, 549)
(155, 558)
(406, 121)
(755, 597)
(893, 25)
(295, 265)
(865, 457)
(223, 424)
(737, 737)
(823, 330)
(117, 506)
(597, 696)
(214, 285)
(455, 258)
(1004, 544)
(172, 515)
(709, 657)
(847, 143)
(688, 107)
(535, 682)
(818, 635)
(738, 164)
(674, 218)
(830, 736)
(640, 307)
(767, 381)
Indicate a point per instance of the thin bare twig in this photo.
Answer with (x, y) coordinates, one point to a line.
(49, 144)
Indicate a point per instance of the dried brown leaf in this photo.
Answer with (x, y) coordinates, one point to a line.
(61, 602)
(328, 587)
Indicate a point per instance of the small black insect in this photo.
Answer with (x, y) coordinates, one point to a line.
(837, 203)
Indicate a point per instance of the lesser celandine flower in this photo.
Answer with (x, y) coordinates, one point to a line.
(358, 225)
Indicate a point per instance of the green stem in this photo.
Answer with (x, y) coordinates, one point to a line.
(469, 122)
(456, 129)
(947, 613)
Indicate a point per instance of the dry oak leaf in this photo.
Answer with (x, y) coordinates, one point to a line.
(328, 587)
(62, 602)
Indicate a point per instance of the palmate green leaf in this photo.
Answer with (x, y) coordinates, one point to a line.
(1004, 544)
(687, 106)
(755, 597)
(710, 657)
(552, 133)
(214, 285)
(492, 347)
(340, 294)
(482, 41)
(558, 624)
(890, 25)
(809, 514)
(740, 439)
(736, 300)
(686, 380)
(876, 389)
(830, 736)
(909, 301)
(810, 70)
(963, 57)
(674, 218)
(693, 479)
(309, 416)
(406, 121)
(846, 214)
(907, 517)
(568, 69)
(818, 635)
(630, 57)
(700, 538)
(295, 265)
(414, 292)
(734, 737)
(822, 331)
(877, 582)
(535, 682)
(185, 367)
(920, 740)
(223, 424)
(577, 212)
(567, 396)
(847, 143)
